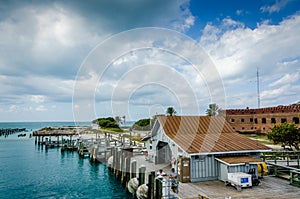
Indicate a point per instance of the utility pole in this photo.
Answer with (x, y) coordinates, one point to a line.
(258, 95)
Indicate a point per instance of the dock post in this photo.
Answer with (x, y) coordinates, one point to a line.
(133, 169)
(118, 169)
(127, 175)
(122, 166)
(142, 171)
(115, 154)
(151, 185)
(158, 188)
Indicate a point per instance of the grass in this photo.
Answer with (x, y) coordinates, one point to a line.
(259, 138)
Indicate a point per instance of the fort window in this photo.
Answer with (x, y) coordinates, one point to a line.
(231, 120)
(243, 128)
(242, 120)
(263, 120)
(273, 120)
(296, 120)
(283, 120)
(255, 120)
(251, 119)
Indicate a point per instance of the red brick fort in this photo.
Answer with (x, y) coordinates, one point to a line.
(261, 120)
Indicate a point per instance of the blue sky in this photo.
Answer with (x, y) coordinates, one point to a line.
(78, 60)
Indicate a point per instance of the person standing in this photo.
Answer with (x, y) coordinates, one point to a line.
(174, 180)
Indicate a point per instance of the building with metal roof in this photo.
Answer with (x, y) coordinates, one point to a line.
(197, 145)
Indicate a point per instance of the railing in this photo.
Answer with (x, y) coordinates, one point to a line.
(284, 164)
(295, 178)
(285, 158)
(165, 186)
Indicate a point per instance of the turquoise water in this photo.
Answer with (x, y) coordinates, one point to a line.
(30, 171)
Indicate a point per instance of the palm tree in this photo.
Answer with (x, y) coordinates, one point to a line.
(213, 110)
(118, 119)
(171, 111)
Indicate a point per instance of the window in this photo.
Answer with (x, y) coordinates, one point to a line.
(242, 120)
(231, 120)
(243, 128)
(263, 120)
(255, 120)
(283, 120)
(251, 120)
(273, 120)
(296, 120)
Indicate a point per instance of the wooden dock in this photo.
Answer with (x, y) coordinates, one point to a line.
(270, 188)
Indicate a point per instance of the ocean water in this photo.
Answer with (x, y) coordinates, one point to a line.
(30, 171)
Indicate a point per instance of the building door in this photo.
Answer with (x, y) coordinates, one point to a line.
(163, 153)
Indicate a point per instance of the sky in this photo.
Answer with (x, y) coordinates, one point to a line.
(80, 60)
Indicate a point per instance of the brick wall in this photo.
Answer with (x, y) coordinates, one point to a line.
(263, 119)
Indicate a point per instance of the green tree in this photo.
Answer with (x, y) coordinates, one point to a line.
(143, 122)
(171, 111)
(286, 135)
(213, 110)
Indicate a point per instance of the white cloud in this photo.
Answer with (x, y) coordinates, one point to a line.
(13, 108)
(286, 79)
(276, 7)
(239, 51)
(41, 108)
(37, 98)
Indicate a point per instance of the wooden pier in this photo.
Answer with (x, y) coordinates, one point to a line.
(129, 165)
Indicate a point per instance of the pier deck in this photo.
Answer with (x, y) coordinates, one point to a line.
(270, 188)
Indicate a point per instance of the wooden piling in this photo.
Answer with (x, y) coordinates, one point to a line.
(158, 188)
(142, 171)
(151, 185)
(118, 165)
(122, 169)
(133, 169)
(127, 170)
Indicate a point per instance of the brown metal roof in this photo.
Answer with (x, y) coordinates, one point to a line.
(204, 134)
(239, 159)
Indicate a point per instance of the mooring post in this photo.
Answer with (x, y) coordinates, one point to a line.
(158, 188)
(128, 161)
(133, 169)
(151, 185)
(122, 166)
(117, 169)
(142, 171)
(115, 154)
